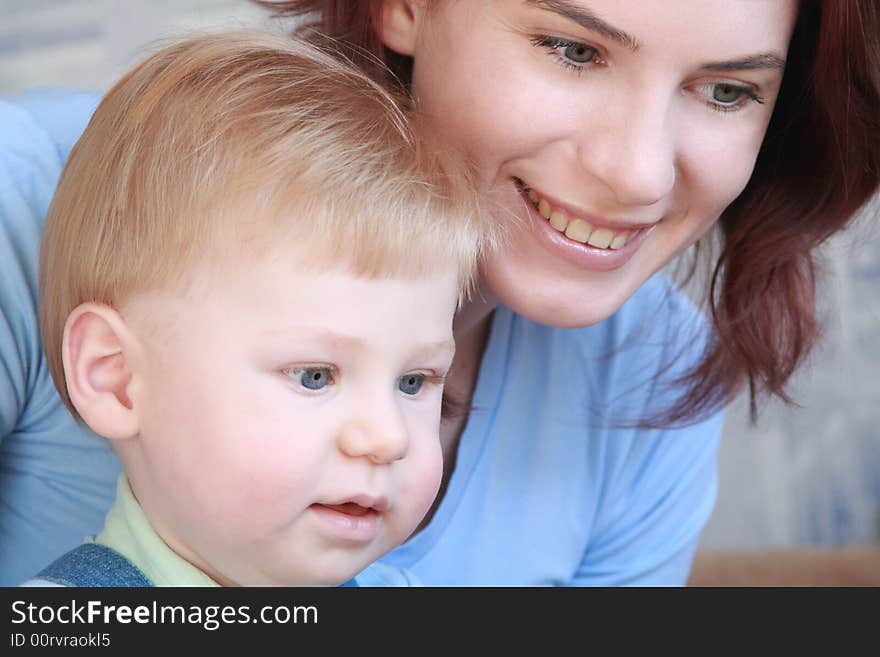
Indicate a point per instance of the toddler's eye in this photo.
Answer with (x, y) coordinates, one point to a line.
(410, 384)
(312, 378)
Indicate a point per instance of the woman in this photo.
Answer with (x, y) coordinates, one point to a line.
(620, 133)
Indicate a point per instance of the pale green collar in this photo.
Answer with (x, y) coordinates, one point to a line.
(127, 530)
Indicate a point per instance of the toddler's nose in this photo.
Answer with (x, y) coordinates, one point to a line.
(378, 432)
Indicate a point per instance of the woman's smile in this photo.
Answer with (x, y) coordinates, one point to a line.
(582, 239)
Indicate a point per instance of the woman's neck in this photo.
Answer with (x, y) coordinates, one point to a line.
(471, 329)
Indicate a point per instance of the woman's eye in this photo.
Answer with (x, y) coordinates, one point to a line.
(726, 94)
(570, 54)
(410, 384)
(311, 378)
(579, 53)
(727, 97)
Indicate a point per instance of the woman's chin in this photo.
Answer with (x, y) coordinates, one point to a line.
(563, 305)
(563, 314)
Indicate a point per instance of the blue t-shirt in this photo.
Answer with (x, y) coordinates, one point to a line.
(545, 491)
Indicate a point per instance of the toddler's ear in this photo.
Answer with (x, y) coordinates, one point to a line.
(398, 22)
(95, 343)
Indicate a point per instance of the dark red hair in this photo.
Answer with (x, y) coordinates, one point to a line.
(819, 163)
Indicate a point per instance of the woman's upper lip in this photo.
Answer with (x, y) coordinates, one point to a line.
(594, 220)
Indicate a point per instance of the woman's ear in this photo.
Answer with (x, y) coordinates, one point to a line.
(94, 349)
(398, 24)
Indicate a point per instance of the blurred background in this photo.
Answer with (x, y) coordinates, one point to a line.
(801, 477)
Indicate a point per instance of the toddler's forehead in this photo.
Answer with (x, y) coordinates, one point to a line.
(236, 269)
(299, 254)
(278, 289)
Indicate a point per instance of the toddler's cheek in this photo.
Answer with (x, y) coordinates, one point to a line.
(424, 486)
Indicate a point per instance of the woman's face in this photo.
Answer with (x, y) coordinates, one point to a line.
(617, 131)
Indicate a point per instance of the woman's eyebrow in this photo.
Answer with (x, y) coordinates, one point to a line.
(586, 19)
(764, 60)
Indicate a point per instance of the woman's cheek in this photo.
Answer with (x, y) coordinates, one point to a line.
(491, 110)
(713, 172)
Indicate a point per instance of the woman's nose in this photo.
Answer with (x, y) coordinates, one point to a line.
(631, 151)
(377, 431)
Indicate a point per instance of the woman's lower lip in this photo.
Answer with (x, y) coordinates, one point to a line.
(581, 255)
(344, 526)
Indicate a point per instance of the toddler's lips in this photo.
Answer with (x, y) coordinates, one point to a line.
(349, 508)
(359, 504)
(348, 521)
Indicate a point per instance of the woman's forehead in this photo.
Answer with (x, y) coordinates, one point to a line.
(708, 24)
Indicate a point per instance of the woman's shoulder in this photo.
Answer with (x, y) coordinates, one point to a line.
(45, 119)
(37, 131)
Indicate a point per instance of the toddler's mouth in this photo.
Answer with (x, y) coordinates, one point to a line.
(358, 505)
(357, 519)
(350, 508)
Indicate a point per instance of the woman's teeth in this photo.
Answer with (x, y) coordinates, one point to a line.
(577, 229)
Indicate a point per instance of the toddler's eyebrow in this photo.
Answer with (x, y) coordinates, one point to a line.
(425, 350)
(441, 348)
(318, 335)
